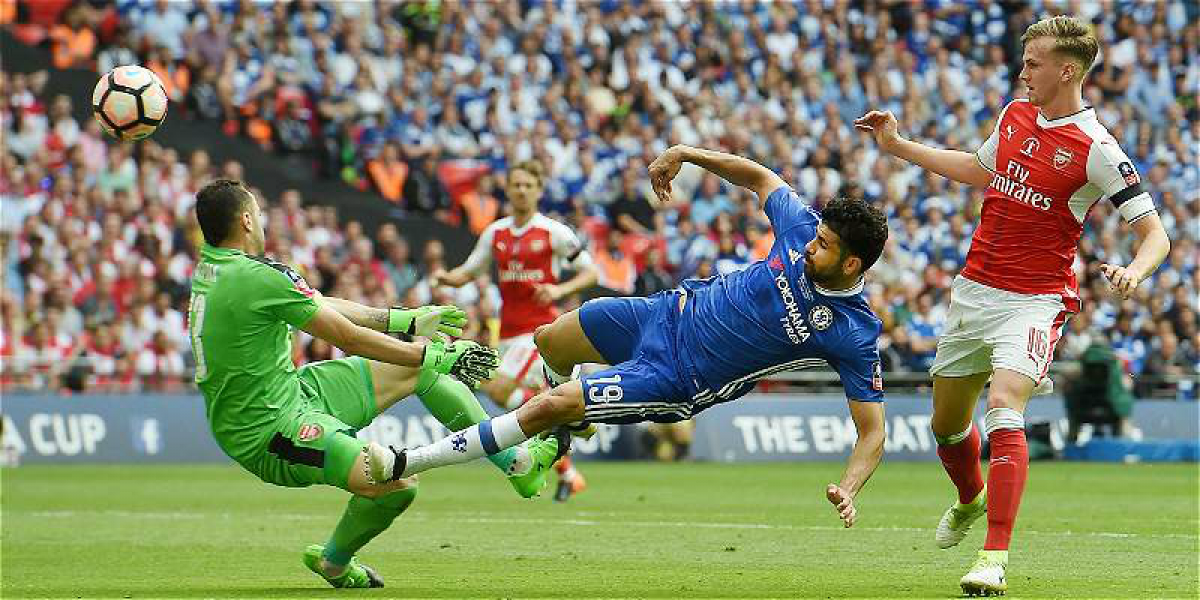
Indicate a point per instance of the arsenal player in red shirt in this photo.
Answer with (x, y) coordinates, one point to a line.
(529, 250)
(1046, 163)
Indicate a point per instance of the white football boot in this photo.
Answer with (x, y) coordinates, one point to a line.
(986, 577)
(957, 520)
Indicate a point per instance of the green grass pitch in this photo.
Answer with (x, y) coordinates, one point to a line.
(641, 530)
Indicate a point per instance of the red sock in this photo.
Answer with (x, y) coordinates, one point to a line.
(961, 462)
(563, 465)
(1006, 482)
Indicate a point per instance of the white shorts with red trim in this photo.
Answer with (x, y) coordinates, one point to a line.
(989, 328)
(520, 361)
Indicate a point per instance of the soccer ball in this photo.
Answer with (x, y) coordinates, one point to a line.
(129, 102)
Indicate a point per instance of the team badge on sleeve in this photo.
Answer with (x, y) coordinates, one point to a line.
(1129, 173)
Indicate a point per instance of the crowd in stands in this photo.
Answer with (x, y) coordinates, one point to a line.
(428, 102)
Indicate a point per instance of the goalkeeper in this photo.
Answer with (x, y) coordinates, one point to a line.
(296, 427)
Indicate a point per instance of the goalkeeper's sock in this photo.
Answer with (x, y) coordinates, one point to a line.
(451, 402)
(476, 441)
(960, 458)
(363, 519)
(1007, 471)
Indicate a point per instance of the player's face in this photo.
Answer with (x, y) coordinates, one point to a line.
(523, 191)
(1044, 74)
(823, 261)
(256, 235)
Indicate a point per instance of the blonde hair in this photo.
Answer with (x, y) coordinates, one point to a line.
(532, 167)
(1073, 40)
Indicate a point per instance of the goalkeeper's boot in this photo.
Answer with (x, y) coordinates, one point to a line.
(958, 520)
(986, 577)
(531, 483)
(356, 574)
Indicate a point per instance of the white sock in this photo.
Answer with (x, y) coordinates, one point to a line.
(476, 441)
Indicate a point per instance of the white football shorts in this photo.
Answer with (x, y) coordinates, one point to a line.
(520, 360)
(989, 328)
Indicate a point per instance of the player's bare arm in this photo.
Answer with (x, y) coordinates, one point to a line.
(329, 325)
(464, 360)
(864, 459)
(735, 169)
(1153, 247)
(960, 166)
(584, 278)
(424, 321)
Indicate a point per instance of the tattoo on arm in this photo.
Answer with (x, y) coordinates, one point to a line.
(379, 317)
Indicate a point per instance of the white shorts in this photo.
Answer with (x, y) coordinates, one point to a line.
(520, 361)
(989, 328)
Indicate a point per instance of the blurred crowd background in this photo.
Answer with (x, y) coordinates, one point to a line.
(427, 103)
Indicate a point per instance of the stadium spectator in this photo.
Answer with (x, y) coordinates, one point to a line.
(769, 80)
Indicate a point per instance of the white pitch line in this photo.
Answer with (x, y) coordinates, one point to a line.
(484, 519)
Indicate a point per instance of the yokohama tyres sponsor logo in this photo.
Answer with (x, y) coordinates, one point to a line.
(793, 323)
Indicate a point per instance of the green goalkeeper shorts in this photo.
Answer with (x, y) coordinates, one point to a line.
(315, 443)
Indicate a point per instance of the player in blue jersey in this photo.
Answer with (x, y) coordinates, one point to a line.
(679, 352)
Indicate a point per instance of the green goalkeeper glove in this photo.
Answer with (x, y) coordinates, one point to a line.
(427, 321)
(463, 360)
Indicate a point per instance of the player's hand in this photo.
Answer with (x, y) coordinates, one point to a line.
(882, 125)
(427, 321)
(438, 277)
(547, 293)
(663, 170)
(842, 502)
(1121, 280)
(463, 360)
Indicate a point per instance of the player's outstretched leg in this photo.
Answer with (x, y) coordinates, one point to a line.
(451, 402)
(554, 407)
(365, 517)
(958, 445)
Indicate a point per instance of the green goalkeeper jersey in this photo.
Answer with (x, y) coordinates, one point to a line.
(240, 320)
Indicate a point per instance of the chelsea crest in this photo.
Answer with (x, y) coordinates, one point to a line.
(821, 317)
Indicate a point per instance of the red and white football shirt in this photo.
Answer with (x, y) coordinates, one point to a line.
(1047, 175)
(526, 257)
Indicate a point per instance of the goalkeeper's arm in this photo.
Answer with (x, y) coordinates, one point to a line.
(424, 321)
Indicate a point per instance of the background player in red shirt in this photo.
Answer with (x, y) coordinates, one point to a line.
(529, 250)
(1046, 163)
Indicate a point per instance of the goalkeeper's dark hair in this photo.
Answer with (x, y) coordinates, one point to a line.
(861, 227)
(218, 203)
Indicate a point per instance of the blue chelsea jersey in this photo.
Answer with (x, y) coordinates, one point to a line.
(769, 318)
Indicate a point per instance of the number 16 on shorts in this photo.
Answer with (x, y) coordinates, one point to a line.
(606, 389)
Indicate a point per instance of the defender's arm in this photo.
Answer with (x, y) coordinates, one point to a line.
(960, 166)
(1153, 247)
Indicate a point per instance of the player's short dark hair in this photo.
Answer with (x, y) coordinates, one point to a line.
(217, 204)
(861, 227)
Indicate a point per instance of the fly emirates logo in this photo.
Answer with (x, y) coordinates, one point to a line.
(1012, 184)
(793, 323)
